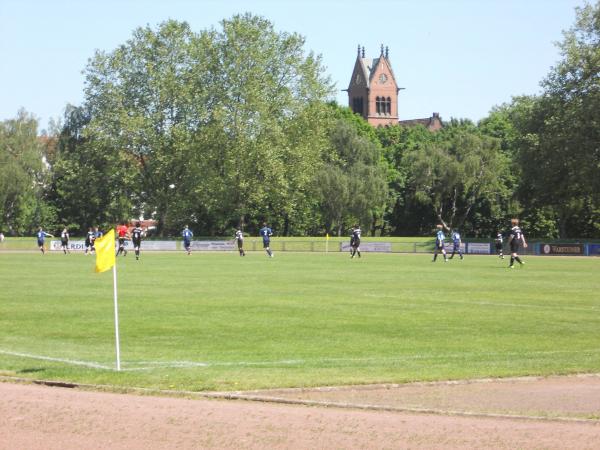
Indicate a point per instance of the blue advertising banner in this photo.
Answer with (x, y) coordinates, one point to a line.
(594, 249)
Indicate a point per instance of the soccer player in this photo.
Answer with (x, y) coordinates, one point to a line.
(355, 241)
(41, 236)
(187, 239)
(122, 232)
(266, 234)
(515, 240)
(499, 245)
(439, 243)
(97, 234)
(64, 241)
(136, 238)
(456, 241)
(239, 237)
(89, 239)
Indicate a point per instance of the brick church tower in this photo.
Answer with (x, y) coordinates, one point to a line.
(373, 91)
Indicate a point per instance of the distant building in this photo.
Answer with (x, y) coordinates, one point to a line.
(373, 93)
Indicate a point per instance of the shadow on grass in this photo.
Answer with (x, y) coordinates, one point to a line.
(31, 370)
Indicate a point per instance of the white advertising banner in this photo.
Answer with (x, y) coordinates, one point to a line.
(154, 245)
(214, 245)
(479, 248)
(383, 247)
(79, 245)
(74, 246)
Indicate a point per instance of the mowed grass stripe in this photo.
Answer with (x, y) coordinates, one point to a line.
(381, 318)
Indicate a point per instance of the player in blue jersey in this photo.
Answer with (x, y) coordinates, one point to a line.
(187, 239)
(266, 233)
(41, 236)
(439, 243)
(355, 241)
(515, 240)
(499, 241)
(456, 241)
(239, 238)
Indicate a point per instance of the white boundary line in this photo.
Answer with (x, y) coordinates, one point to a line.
(152, 365)
(74, 362)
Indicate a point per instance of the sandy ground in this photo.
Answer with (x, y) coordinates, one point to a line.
(529, 413)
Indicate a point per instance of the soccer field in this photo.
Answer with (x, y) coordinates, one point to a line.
(215, 321)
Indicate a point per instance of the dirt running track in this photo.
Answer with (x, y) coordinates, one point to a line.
(43, 417)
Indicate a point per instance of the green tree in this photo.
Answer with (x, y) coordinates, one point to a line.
(352, 185)
(559, 148)
(23, 177)
(456, 172)
(218, 126)
(92, 183)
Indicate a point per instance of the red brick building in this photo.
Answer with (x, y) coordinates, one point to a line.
(373, 93)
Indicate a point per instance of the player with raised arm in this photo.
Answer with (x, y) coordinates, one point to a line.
(64, 241)
(41, 236)
(187, 239)
(456, 241)
(515, 240)
(136, 238)
(122, 232)
(499, 242)
(355, 241)
(239, 237)
(439, 243)
(266, 233)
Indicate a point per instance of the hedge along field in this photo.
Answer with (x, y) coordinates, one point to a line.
(216, 321)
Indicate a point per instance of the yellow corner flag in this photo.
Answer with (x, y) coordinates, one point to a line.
(105, 251)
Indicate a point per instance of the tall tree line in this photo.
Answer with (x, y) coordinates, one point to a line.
(232, 126)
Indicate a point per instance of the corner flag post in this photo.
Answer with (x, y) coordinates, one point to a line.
(105, 259)
(116, 318)
(326, 243)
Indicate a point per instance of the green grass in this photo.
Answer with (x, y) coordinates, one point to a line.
(299, 319)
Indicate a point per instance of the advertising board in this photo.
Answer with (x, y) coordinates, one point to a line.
(449, 246)
(214, 246)
(594, 249)
(79, 245)
(383, 247)
(562, 249)
(479, 248)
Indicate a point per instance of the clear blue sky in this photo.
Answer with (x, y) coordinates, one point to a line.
(456, 57)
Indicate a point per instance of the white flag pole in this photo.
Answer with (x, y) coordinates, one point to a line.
(116, 316)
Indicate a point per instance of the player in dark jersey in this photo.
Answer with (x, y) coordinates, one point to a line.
(97, 235)
(136, 238)
(499, 242)
(266, 233)
(89, 238)
(64, 241)
(187, 239)
(239, 237)
(41, 236)
(515, 240)
(355, 241)
(439, 243)
(456, 241)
